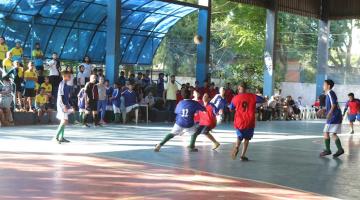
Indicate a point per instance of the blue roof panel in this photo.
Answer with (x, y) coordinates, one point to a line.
(75, 28)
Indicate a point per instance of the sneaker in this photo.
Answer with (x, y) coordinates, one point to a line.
(157, 148)
(216, 145)
(65, 140)
(351, 132)
(193, 149)
(234, 153)
(339, 153)
(244, 158)
(325, 153)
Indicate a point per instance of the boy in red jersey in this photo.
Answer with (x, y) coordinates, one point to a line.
(244, 105)
(354, 111)
(207, 122)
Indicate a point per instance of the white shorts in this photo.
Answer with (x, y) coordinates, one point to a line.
(130, 108)
(178, 130)
(116, 109)
(332, 128)
(219, 119)
(61, 115)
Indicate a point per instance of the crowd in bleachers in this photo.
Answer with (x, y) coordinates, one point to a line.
(35, 82)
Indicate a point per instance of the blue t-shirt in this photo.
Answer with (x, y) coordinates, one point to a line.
(63, 96)
(122, 80)
(130, 98)
(116, 98)
(81, 99)
(185, 111)
(331, 99)
(219, 103)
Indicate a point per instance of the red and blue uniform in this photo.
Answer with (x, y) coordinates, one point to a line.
(185, 111)
(244, 105)
(331, 99)
(219, 103)
(354, 110)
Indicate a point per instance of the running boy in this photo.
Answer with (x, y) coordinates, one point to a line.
(354, 112)
(244, 105)
(63, 107)
(184, 122)
(207, 122)
(333, 120)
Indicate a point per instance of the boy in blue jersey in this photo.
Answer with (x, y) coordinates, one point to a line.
(333, 120)
(184, 122)
(116, 101)
(353, 105)
(131, 103)
(63, 106)
(220, 104)
(81, 105)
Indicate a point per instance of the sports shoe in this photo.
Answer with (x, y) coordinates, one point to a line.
(244, 158)
(325, 153)
(339, 153)
(215, 146)
(351, 132)
(64, 140)
(157, 148)
(234, 153)
(193, 149)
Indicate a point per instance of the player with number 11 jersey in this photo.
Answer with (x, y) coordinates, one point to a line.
(184, 123)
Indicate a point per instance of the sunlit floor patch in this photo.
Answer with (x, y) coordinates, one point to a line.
(51, 176)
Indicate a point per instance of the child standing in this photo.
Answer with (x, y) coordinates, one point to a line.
(354, 111)
(333, 120)
(63, 107)
(81, 105)
(116, 101)
(30, 78)
(102, 99)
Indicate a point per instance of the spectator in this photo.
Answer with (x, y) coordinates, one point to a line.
(48, 88)
(41, 104)
(130, 102)
(5, 102)
(54, 73)
(102, 102)
(81, 77)
(17, 52)
(37, 57)
(132, 78)
(160, 85)
(92, 97)
(212, 91)
(138, 80)
(109, 92)
(81, 105)
(7, 63)
(3, 49)
(122, 78)
(18, 80)
(169, 97)
(87, 68)
(116, 101)
(30, 78)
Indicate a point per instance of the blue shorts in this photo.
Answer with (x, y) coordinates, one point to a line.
(245, 133)
(353, 118)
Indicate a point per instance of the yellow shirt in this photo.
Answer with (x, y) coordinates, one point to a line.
(3, 49)
(37, 86)
(171, 90)
(7, 64)
(20, 72)
(16, 51)
(40, 99)
(48, 87)
(30, 74)
(37, 53)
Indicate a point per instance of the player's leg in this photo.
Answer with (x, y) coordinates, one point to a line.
(136, 115)
(59, 131)
(351, 127)
(236, 147)
(327, 150)
(215, 142)
(193, 138)
(86, 117)
(244, 150)
(340, 150)
(176, 130)
(352, 119)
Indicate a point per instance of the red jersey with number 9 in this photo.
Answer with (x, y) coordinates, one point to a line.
(245, 108)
